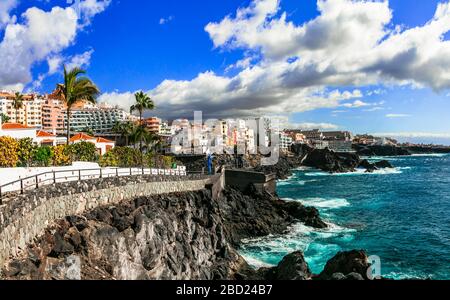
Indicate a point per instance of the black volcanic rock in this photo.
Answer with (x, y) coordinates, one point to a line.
(380, 150)
(383, 164)
(330, 161)
(292, 267)
(301, 150)
(367, 165)
(308, 215)
(428, 149)
(347, 263)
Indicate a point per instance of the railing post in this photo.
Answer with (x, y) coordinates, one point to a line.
(37, 181)
(1, 196)
(117, 172)
(143, 172)
(54, 177)
(131, 172)
(21, 186)
(79, 175)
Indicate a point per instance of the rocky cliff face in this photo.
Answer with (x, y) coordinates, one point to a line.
(176, 236)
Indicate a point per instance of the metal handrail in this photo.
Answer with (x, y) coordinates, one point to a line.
(116, 173)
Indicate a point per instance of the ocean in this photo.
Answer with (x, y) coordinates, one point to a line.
(401, 215)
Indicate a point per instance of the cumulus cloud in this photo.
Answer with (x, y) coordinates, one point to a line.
(302, 66)
(80, 60)
(88, 9)
(311, 126)
(124, 100)
(6, 6)
(42, 36)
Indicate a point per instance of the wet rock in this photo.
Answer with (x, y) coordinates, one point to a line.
(383, 164)
(354, 277)
(292, 267)
(368, 166)
(346, 263)
(338, 276)
(308, 215)
(380, 150)
(330, 161)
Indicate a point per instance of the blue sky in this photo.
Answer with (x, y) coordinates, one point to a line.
(185, 54)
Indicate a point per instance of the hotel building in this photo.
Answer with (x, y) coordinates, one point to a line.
(29, 115)
(98, 118)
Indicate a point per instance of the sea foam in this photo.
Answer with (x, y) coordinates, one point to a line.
(387, 171)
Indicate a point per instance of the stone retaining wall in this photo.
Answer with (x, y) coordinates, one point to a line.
(26, 217)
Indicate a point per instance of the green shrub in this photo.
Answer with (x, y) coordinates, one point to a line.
(43, 156)
(110, 159)
(26, 151)
(83, 151)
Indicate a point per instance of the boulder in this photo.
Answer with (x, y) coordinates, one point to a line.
(308, 215)
(383, 164)
(292, 267)
(346, 263)
(368, 166)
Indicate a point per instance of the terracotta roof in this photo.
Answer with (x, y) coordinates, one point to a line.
(48, 141)
(12, 126)
(41, 133)
(103, 140)
(81, 137)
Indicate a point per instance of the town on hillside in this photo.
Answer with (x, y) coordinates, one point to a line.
(43, 118)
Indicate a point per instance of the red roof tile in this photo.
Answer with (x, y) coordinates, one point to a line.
(41, 133)
(81, 137)
(12, 126)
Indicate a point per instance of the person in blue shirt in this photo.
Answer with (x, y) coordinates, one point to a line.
(210, 164)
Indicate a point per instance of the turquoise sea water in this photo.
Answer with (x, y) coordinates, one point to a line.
(401, 215)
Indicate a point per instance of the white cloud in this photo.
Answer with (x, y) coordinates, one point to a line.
(356, 104)
(393, 116)
(88, 9)
(311, 126)
(376, 92)
(124, 100)
(42, 36)
(6, 6)
(163, 21)
(376, 108)
(80, 60)
(350, 43)
(54, 64)
(414, 135)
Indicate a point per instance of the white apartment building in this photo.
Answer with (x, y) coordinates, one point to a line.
(100, 119)
(29, 115)
(286, 142)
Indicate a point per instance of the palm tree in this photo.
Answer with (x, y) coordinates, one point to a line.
(18, 104)
(76, 89)
(150, 140)
(4, 118)
(137, 135)
(143, 103)
(124, 129)
(88, 131)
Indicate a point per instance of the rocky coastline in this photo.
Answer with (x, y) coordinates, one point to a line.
(386, 150)
(188, 235)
